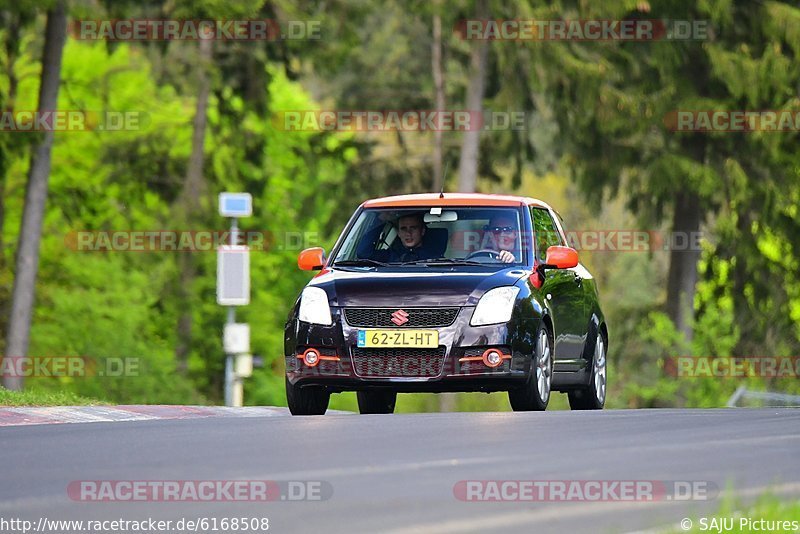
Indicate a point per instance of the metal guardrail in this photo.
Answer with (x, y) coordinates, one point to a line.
(769, 398)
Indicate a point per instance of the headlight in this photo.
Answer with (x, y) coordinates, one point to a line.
(314, 306)
(495, 306)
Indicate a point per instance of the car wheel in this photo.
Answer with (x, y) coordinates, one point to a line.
(593, 396)
(310, 400)
(535, 394)
(376, 401)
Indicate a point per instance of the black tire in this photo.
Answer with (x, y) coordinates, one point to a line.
(535, 394)
(376, 401)
(311, 400)
(593, 395)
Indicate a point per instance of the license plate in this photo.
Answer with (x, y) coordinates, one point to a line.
(425, 339)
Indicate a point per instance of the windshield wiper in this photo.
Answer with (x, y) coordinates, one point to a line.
(449, 261)
(362, 262)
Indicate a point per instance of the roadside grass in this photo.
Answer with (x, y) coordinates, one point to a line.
(777, 515)
(36, 397)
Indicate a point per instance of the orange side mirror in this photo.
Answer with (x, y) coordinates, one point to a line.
(311, 259)
(561, 257)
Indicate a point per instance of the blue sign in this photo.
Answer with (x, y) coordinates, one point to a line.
(235, 204)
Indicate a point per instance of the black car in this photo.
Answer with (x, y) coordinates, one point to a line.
(447, 292)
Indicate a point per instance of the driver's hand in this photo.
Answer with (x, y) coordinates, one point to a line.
(506, 256)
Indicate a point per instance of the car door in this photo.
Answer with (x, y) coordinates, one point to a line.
(562, 289)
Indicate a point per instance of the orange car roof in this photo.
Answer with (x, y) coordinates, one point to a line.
(452, 199)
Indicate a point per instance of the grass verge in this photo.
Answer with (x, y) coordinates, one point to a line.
(35, 397)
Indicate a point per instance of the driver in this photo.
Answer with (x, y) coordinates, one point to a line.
(410, 229)
(503, 237)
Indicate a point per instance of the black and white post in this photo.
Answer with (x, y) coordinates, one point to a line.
(233, 289)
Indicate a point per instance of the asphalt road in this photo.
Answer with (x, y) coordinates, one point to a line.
(398, 472)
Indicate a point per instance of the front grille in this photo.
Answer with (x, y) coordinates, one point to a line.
(417, 317)
(415, 363)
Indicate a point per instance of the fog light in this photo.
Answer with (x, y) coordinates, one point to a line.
(492, 358)
(311, 357)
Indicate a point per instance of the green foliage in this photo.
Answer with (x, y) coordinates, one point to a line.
(102, 311)
(642, 375)
(36, 397)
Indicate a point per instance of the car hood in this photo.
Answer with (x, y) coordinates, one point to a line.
(428, 287)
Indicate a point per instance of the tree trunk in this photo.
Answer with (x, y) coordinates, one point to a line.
(470, 144)
(14, 21)
(27, 261)
(682, 276)
(189, 204)
(438, 82)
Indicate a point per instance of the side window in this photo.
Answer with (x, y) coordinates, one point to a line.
(544, 230)
(365, 238)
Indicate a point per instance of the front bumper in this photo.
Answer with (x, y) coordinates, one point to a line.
(455, 366)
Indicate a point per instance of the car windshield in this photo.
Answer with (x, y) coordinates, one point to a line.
(434, 235)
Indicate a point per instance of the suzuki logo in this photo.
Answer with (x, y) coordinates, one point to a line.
(399, 317)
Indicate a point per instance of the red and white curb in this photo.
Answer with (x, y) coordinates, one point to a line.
(104, 414)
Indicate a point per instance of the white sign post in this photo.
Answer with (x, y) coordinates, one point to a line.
(233, 289)
(233, 275)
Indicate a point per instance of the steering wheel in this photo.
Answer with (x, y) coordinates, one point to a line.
(491, 253)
